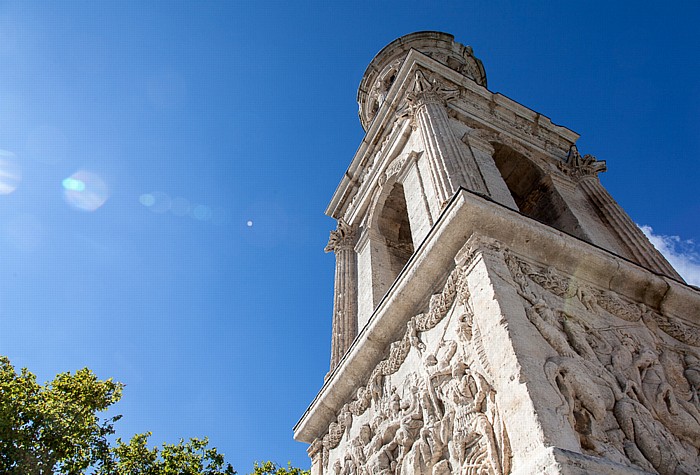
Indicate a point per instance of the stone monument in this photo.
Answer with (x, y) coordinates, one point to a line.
(495, 310)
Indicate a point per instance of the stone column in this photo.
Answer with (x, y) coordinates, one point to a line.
(585, 170)
(315, 452)
(451, 164)
(342, 242)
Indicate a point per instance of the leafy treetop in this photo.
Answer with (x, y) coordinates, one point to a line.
(55, 429)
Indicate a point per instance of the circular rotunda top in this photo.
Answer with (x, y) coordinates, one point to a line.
(381, 72)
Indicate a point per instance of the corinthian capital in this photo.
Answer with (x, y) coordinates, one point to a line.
(579, 167)
(429, 90)
(341, 238)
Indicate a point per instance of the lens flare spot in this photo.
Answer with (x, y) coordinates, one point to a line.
(85, 191)
(147, 199)
(156, 201)
(73, 185)
(201, 212)
(10, 172)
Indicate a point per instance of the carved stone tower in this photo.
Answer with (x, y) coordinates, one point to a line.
(495, 310)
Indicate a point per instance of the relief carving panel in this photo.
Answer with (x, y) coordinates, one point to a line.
(626, 374)
(428, 407)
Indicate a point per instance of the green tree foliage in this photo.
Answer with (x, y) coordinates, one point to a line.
(270, 468)
(55, 429)
(184, 458)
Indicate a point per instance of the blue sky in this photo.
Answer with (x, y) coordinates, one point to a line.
(209, 137)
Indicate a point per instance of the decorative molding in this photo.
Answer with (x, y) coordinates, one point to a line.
(690, 335)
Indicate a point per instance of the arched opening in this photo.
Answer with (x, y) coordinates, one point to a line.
(394, 226)
(533, 191)
(383, 249)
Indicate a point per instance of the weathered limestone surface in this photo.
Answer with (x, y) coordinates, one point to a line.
(495, 310)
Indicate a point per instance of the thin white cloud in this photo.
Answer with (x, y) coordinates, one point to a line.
(682, 254)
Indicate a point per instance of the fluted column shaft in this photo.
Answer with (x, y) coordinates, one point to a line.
(344, 329)
(451, 164)
(633, 238)
(450, 167)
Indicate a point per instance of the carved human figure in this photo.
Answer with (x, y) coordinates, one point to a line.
(658, 396)
(414, 339)
(543, 318)
(375, 386)
(588, 298)
(411, 422)
(650, 321)
(650, 444)
(442, 468)
(585, 399)
(519, 270)
(692, 374)
(345, 420)
(438, 370)
(426, 451)
(411, 404)
(356, 458)
(404, 441)
(381, 450)
(394, 411)
(578, 338)
(472, 433)
(381, 460)
(445, 354)
(464, 327)
(622, 359)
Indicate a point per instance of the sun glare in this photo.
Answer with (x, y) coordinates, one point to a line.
(85, 191)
